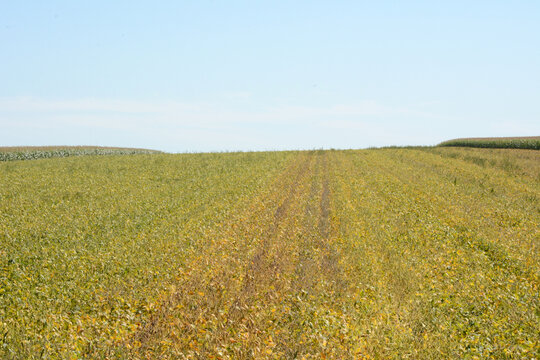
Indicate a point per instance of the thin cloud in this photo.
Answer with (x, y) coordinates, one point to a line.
(176, 109)
(215, 126)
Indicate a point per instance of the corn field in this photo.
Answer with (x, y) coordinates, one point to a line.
(527, 142)
(33, 153)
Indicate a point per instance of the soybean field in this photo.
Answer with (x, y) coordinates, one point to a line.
(419, 253)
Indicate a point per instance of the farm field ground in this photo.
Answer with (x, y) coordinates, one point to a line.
(420, 253)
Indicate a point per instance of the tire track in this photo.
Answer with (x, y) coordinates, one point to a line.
(318, 285)
(269, 285)
(213, 303)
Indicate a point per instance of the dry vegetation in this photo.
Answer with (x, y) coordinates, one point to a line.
(392, 253)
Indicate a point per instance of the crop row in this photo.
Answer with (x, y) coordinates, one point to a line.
(447, 253)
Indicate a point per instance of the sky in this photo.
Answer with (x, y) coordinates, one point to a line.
(197, 76)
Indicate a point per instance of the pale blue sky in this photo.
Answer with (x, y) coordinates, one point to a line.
(267, 75)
